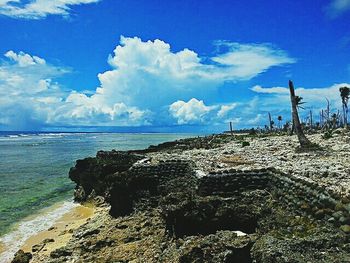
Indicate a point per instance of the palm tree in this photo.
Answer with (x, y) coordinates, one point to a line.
(345, 94)
(295, 100)
(299, 101)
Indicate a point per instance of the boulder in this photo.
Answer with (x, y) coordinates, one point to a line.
(22, 257)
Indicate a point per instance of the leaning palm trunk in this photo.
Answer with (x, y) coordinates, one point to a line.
(345, 113)
(304, 142)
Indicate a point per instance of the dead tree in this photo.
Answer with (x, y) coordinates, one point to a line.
(304, 142)
(345, 95)
(270, 122)
(328, 112)
(311, 120)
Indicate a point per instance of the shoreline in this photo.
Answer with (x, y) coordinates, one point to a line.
(184, 201)
(55, 222)
(61, 231)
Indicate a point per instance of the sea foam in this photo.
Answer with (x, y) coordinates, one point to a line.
(44, 219)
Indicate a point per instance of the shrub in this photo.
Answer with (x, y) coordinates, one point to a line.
(245, 143)
(327, 135)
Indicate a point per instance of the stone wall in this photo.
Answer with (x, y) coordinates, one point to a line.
(309, 198)
(232, 182)
(143, 185)
(128, 181)
(304, 197)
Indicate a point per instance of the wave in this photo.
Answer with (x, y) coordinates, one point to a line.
(44, 219)
(29, 136)
(13, 136)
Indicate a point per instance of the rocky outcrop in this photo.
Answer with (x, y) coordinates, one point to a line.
(168, 205)
(22, 257)
(94, 176)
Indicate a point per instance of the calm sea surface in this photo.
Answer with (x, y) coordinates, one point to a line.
(34, 167)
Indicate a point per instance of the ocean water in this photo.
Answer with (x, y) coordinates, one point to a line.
(34, 170)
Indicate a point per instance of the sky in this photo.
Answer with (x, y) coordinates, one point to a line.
(169, 66)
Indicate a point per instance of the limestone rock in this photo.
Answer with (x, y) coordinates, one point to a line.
(21, 257)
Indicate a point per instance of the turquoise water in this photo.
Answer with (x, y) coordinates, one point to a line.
(34, 166)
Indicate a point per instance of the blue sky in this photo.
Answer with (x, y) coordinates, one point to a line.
(167, 65)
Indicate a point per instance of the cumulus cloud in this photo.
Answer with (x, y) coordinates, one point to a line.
(38, 9)
(30, 98)
(26, 87)
(148, 84)
(24, 59)
(196, 111)
(79, 109)
(142, 69)
(192, 111)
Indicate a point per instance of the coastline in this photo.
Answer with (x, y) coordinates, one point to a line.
(184, 201)
(61, 231)
(56, 222)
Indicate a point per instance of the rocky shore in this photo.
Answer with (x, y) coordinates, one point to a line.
(220, 198)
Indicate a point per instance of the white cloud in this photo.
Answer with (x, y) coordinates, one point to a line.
(192, 111)
(150, 75)
(226, 109)
(23, 59)
(274, 90)
(37, 9)
(276, 100)
(26, 87)
(257, 120)
(145, 78)
(245, 61)
(196, 112)
(80, 109)
(313, 96)
(30, 98)
(337, 7)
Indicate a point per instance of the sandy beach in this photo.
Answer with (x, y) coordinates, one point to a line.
(51, 236)
(60, 233)
(2, 247)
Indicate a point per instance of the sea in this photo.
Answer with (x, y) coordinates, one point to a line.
(34, 186)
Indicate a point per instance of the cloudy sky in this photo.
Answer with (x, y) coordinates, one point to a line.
(155, 65)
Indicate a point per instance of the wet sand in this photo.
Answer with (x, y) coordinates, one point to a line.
(2, 247)
(61, 231)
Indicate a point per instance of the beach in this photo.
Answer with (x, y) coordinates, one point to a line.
(56, 222)
(61, 231)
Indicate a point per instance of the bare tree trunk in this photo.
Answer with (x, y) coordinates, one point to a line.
(304, 142)
(311, 120)
(345, 112)
(328, 111)
(293, 127)
(270, 122)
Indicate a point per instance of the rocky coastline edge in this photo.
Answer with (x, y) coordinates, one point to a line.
(219, 198)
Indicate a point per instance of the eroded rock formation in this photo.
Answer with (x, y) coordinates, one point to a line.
(162, 208)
